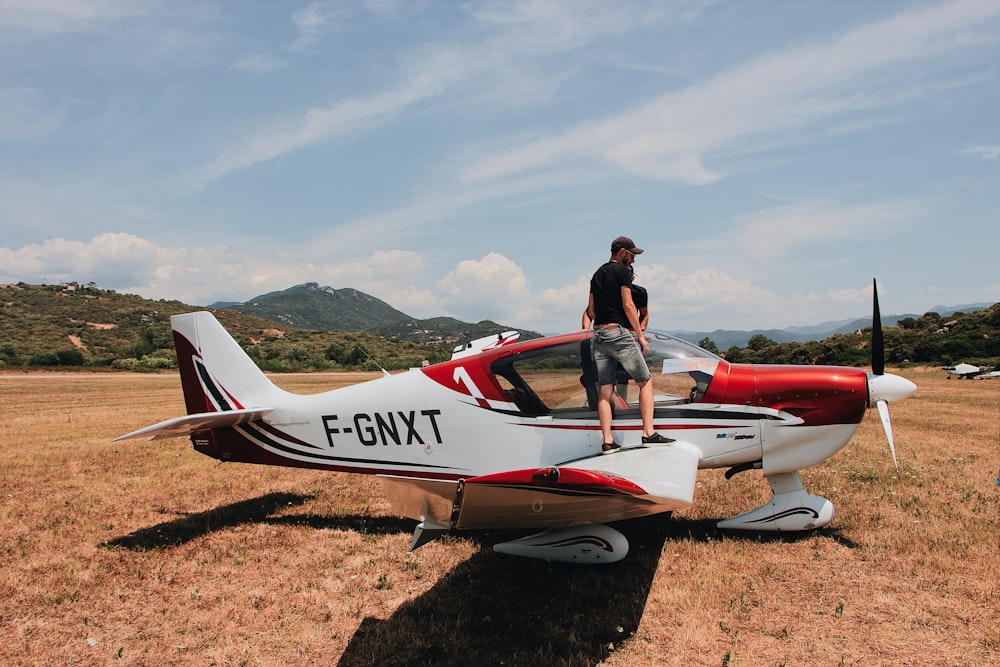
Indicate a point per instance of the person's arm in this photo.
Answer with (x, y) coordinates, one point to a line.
(644, 317)
(633, 317)
(588, 313)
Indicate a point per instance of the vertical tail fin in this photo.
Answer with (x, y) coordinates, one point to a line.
(216, 374)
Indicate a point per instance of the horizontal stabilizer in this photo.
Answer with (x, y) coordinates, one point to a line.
(181, 426)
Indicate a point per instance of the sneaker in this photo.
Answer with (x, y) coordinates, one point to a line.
(610, 447)
(656, 439)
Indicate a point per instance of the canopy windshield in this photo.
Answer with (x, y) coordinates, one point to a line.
(561, 379)
(675, 364)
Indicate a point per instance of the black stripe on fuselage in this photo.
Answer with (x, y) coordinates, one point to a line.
(258, 437)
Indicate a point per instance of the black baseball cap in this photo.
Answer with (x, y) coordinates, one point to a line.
(627, 243)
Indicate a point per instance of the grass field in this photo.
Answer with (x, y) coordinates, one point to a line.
(146, 553)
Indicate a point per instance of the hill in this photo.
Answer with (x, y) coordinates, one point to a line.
(82, 325)
(726, 338)
(309, 306)
(928, 339)
(445, 330)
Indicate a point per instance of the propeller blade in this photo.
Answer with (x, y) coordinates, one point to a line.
(878, 344)
(883, 412)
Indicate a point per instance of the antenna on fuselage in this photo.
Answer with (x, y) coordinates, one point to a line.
(372, 359)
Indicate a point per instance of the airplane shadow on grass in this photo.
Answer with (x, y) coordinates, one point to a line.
(494, 609)
(197, 524)
(491, 609)
(255, 510)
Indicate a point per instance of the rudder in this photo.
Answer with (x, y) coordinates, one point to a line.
(216, 373)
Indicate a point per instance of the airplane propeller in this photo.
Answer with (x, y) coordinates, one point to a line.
(878, 342)
(882, 388)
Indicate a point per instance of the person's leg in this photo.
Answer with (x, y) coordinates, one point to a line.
(636, 365)
(604, 412)
(646, 406)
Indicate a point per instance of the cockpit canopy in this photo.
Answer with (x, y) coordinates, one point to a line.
(561, 379)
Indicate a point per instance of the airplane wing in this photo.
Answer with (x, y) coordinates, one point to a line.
(181, 426)
(665, 472)
(631, 483)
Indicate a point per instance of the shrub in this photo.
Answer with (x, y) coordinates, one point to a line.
(70, 357)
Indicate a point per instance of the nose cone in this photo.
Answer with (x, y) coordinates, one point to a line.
(889, 388)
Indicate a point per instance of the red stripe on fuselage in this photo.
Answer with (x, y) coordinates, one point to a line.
(565, 478)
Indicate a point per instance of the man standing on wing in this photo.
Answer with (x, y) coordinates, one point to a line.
(618, 339)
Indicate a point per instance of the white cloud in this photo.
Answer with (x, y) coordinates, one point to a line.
(703, 295)
(522, 32)
(434, 210)
(499, 120)
(316, 125)
(204, 274)
(315, 20)
(56, 16)
(492, 287)
(774, 233)
(555, 309)
(535, 27)
(492, 279)
(669, 137)
(984, 152)
(108, 259)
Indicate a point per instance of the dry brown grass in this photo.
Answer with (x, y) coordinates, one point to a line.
(149, 554)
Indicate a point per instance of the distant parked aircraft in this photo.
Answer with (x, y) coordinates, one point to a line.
(962, 371)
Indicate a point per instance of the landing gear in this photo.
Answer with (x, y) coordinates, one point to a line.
(791, 508)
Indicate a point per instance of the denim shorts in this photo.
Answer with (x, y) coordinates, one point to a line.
(614, 346)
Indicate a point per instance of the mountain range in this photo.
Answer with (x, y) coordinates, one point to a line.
(74, 324)
(310, 306)
(726, 338)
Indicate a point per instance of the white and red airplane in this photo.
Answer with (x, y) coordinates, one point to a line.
(505, 435)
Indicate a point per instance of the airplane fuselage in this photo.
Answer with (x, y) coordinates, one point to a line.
(454, 421)
(507, 435)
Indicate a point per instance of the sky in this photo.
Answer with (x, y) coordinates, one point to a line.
(476, 159)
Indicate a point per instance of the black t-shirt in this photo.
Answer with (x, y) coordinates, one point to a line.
(640, 298)
(606, 286)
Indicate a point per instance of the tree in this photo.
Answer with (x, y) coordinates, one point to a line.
(735, 355)
(709, 344)
(70, 357)
(336, 352)
(297, 355)
(44, 359)
(9, 355)
(758, 342)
